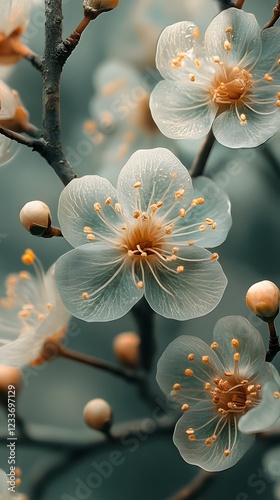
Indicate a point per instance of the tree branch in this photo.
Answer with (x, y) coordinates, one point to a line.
(199, 163)
(275, 17)
(273, 347)
(195, 487)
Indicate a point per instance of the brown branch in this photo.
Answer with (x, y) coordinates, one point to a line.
(195, 487)
(35, 60)
(65, 48)
(239, 4)
(275, 16)
(200, 161)
(273, 346)
(21, 139)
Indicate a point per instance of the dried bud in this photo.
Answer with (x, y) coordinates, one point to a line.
(95, 7)
(35, 216)
(98, 414)
(263, 299)
(9, 376)
(126, 348)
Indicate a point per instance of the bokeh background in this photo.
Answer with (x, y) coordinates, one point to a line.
(55, 396)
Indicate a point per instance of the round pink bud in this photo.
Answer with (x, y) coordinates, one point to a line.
(263, 299)
(35, 216)
(98, 414)
(126, 348)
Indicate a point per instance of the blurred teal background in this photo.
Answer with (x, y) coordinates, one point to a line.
(57, 394)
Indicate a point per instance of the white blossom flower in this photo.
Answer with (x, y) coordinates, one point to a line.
(30, 313)
(226, 391)
(7, 112)
(230, 83)
(143, 238)
(5, 494)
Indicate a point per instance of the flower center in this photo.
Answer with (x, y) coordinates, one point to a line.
(144, 237)
(230, 86)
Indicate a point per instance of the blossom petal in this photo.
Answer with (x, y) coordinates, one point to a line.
(182, 110)
(216, 208)
(251, 346)
(8, 106)
(184, 295)
(259, 127)
(246, 38)
(95, 284)
(268, 61)
(76, 209)
(161, 175)
(179, 53)
(173, 363)
(210, 458)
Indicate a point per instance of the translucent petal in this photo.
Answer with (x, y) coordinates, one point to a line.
(180, 54)
(19, 14)
(76, 209)
(173, 363)
(8, 149)
(259, 127)
(210, 458)
(251, 346)
(265, 415)
(3, 485)
(59, 315)
(268, 61)
(8, 106)
(22, 351)
(5, 9)
(101, 273)
(182, 110)
(184, 295)
(246, 38)
(216, 208)
(161, 175)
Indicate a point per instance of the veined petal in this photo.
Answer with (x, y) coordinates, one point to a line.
(18, 14)
(245, 38)
(76, 210)
(268, 61)
(214, 214)
(182, 110)
(5, 9)
(210, 458)
(95, 283)
(8, 106)
(179, 53)
(173, 364)
(161, 175)
(184, 295)
(265, 415)
(259, 127)
(8, 149)
(251, 346)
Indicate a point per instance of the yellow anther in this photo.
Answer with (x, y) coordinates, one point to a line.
(137, 184)
(175, 250)
(196, 32)
(258, 387)
(216, 59)
(278, 103)
(185, 407)
(136, 214)
(153, 208)
(214, 225)
(208, 442)
(276, 394)
(118, 207)
(88, 229)
(180, 269)
(207, 386)
(85, 295)
(202, 227)
(236, 357)
(197, 63)
(235, 343)
(177, 62)
(250, 388)
(197, 201)
(268, 78)
(191, 243)
(49, 306)
(90, 237)
(140, 284)
(23, 314)
(191, 437)
(222, 411)
(227, 45)
(190, 431)
(191, 357)
(41, 317)
(179, 194)
(189, 372)
(205, 359)
(168, 229)
(214, 256)
(278, 62)
(24, 275)
(28, 257)
(208, 221)
(243, 118)
(97, 207)
(192, 77)
(229, 29)
(227, 453)
(159, 204)
(108, 201)
(182, 212)
(176, 387)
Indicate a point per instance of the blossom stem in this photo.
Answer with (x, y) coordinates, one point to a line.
(144, 316)
(35, 60)
(200, 161)
(66, 47)
(195, 487)
(273, 346)
(239, 4)
(63, 352)
(275, 16)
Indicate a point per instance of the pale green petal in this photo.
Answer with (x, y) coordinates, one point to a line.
(173, 363)
(194, 292)
(251, 346)
(182, 110)
(160, 173)
(210, 458)
(76, 210)
(268, 61)
(246, 38)
(216, 207)
(102, 274)
(178, 40)
(259, 127)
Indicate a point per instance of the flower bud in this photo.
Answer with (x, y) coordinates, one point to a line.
(126, 348)
(35, 216)
(98, 414)
(95, 7)
(9, 376)
(263, 299)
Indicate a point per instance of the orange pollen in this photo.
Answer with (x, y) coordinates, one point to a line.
(144, 238)
(231, 86)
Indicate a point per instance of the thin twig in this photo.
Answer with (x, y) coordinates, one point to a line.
(195, 487)
(36, 61)
(273, 347)
(275, 16)
(21, 139)
(200, 161)
(144, 316)
(239, 4)
(65, 48)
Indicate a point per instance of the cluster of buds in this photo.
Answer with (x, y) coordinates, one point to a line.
(263, 299)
